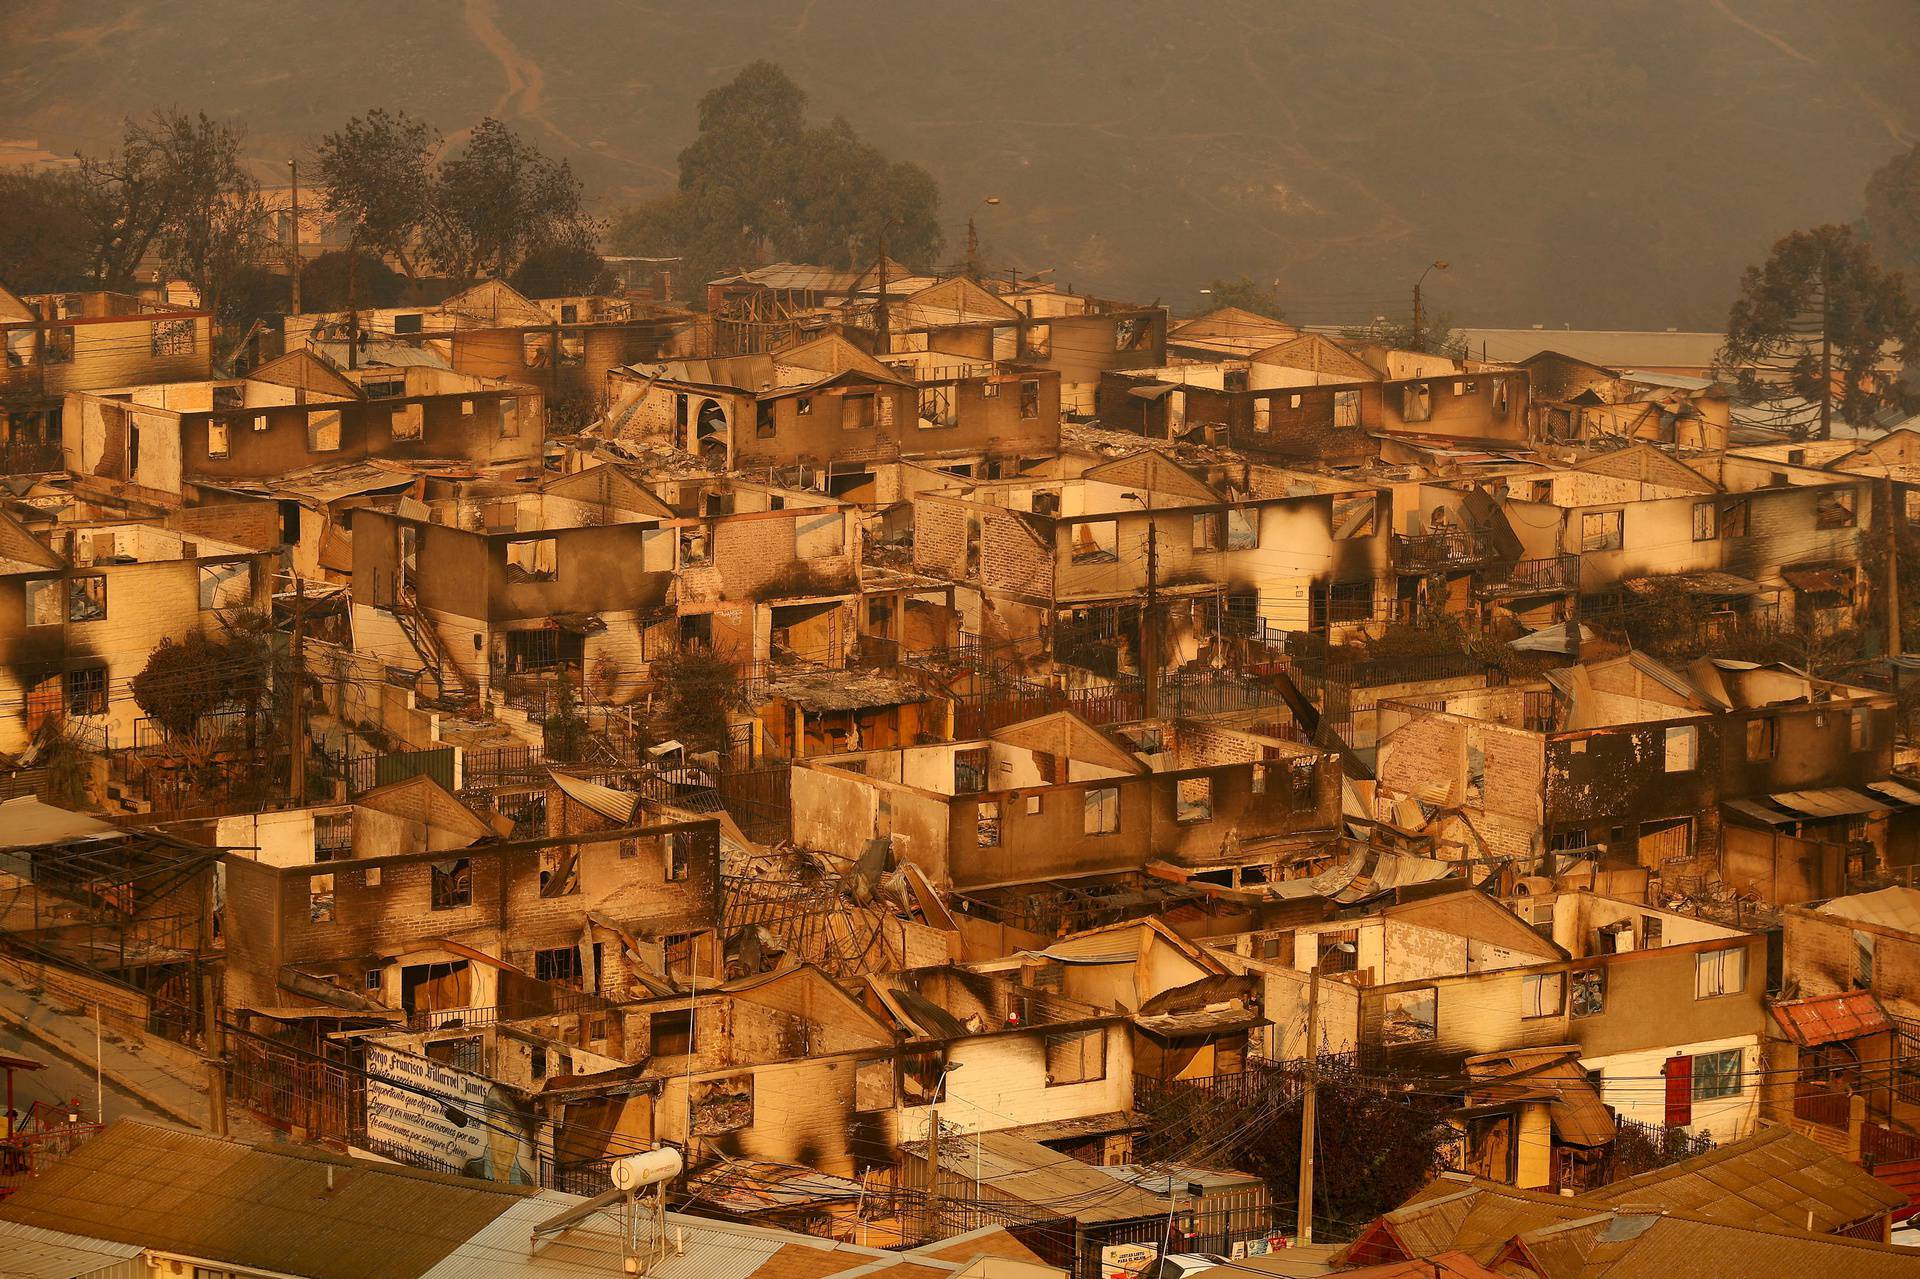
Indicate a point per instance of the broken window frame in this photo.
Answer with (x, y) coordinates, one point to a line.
(533, 559)
(1346, 409)
(219, 440)
(320, 899)
(1087, 545)
(1681, 741)
(1076, 1057)
(1193, 801)
(1736, 515)
(87, 598)
(1542, 995)
(1416, 402)
(1100, 810)
(324, 429)
(1602, 531)
(987, 816)
(1762, 739)
(559, 871)
(84, 691)
(1587, 992)
(560, 965)
(1354, 516)
(172, 337)
(1706, 521)
(1411, 1016)
(407, 421)
(1029, 399)
(857, 412)
(451, 888)
(1836, 509)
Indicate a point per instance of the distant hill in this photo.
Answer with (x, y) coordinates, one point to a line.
(1606, 163)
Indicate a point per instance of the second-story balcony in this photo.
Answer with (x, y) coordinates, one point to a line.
(1439, 552)
(1548, 575)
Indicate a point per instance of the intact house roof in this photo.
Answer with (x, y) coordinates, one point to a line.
(1625, 1244)
(281, 1208)
(1776, 1179)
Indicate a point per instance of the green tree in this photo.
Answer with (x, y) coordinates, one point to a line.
(45, 246)
(324, 285)
(498, 200)
(698, 690)
(1811, 330)
(131, 194)
(377, 174)
(1243, 293)
(562, 270)
(1436, 334)
(1891, 223)
(215, 227)
(758, 183)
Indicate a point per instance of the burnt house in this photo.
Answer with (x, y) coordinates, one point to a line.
(561, 348)
(1263, 551)
(430, 932)
(1616, 960)
(823, 405)
(81, 612)
(167, 439)
(57, 343)
(1055, 797)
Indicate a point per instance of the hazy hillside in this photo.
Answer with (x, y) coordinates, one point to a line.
(1608, 162)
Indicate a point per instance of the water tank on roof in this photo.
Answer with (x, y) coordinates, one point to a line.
(649, 1168)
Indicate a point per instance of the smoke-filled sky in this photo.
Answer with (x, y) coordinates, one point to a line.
(1594, 163)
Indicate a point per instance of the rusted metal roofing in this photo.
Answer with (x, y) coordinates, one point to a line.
(291, 1210)
(1775, 1179)
(1650, 1245)
(1823, 1019)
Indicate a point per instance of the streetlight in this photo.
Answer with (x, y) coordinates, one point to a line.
(973, 236)
(1419, 334)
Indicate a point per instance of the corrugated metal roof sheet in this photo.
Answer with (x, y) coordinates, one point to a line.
(1775, 1179)
(1822, 1019)
(267, 1208)
(1897, 908)
(505, 1249)
(30, 1252)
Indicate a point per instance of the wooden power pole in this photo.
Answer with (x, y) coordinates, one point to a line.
(296, 701)
(1149, 617)
(1309, 1099)
(293, 257)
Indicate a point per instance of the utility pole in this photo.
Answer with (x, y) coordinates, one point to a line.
(353, 304)
(1419, 315)
(1884, 496)
(1826, 354)
(885, 336)
(293, 262)
(1149, 632)
(1309, 1099)
(296, 718)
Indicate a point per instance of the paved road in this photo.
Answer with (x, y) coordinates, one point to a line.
(63, 1080)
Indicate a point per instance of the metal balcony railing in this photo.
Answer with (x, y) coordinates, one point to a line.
(1428, 552)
